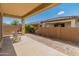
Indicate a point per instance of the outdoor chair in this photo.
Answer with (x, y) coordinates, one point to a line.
(16, 36)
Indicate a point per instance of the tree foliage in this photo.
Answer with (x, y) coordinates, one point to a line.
(15, 22)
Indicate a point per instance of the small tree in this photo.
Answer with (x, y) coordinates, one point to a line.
(15, 22)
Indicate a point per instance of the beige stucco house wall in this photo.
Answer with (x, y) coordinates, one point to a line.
(66, 22)
(77, 23)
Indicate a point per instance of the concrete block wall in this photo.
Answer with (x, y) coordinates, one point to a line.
(62, 33)
(7, 30)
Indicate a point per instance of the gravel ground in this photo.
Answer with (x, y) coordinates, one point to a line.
(66, 47)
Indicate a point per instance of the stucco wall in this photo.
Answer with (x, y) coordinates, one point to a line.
(68, 23)
(77, 23)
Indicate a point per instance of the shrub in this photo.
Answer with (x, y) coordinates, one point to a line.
(29, 29)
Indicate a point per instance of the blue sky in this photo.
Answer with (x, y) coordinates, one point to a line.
(9, 20)
(66, 9)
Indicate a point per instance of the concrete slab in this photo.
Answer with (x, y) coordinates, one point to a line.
(30, 47)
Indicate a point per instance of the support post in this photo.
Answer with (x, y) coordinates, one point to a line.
(1, 39)
(23, 26)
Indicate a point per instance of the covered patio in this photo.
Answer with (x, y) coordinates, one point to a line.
(30, 44)
(20, 11)
(34, 45)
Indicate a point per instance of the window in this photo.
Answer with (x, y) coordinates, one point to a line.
(62, 25)
(56, 25)
(59, 25)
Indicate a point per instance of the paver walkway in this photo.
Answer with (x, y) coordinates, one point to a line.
(30, 47)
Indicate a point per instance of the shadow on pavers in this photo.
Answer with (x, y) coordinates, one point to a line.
(7, 47)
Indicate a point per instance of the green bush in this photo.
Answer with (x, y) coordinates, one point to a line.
(29, 29)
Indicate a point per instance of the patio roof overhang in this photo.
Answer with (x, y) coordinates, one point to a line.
(22, 10)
